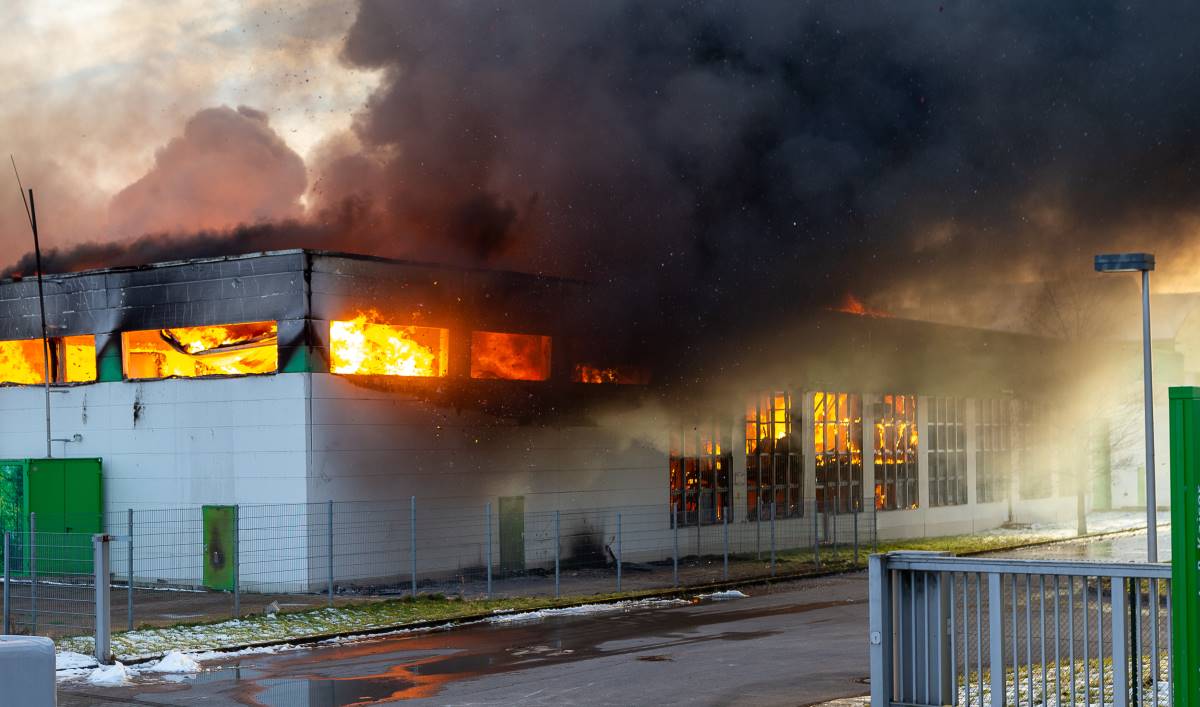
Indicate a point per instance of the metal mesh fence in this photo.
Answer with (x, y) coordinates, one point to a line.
(171, 565)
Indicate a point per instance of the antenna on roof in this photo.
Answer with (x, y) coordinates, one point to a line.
(31, 214)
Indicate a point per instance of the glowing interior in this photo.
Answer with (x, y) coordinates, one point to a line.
(190, 352)
(74, 359)
(524, 357)
(624, 375)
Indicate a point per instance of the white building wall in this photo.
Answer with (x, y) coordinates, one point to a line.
(372, 444)
(176, 445)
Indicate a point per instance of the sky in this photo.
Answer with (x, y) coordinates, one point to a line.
(93, 90)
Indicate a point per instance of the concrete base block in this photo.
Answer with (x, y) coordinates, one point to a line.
(27, 671)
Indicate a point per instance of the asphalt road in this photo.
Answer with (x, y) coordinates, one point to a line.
(796, 643)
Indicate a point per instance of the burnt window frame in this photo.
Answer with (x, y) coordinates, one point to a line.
(899, 443)
(946, 450)
(698, 453)
(845, 430)
(772, 473)
(993, 450)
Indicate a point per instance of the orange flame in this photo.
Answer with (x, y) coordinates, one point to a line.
(21, 361)
(189, 352)
(362, 346)
(523, 357)
(623, 375)
(853, 305)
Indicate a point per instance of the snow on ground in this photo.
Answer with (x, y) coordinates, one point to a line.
(113, 675)
(583, 610)
(174, 662)
(723, 596)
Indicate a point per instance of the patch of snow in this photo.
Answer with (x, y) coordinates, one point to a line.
(585, 610)
(113, 675)
(70, 660)
(173, 662)
(723, 596)
(205, 656)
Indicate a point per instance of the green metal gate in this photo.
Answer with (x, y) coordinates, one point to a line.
(1185, 533)
(66, 495)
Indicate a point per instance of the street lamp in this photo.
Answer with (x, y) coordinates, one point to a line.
(1143, 263)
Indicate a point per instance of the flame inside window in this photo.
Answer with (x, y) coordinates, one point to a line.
(623, 375)
(363, 347)
(189, 352)
(72, 360)
(522, 357)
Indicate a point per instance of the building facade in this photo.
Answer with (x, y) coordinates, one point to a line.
(306, 377)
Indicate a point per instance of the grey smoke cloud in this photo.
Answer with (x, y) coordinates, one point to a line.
(227, 168)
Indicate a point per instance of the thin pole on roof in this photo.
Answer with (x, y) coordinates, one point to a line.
(31, 214)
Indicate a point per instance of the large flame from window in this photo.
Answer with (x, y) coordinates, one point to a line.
(362, 346)
(73, 357)
(190, 352)
(524, 357)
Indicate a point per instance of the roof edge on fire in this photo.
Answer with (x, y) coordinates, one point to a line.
(291, 251)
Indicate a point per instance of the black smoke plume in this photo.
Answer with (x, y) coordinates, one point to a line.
(731, 162)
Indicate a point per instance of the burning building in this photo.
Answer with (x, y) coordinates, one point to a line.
(307, 376)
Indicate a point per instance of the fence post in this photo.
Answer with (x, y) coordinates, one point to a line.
(675, 554)
(772, 538)
(100, 551)
(1120, 642)
(879, 589)
(875, 528)
(489, 549)
(129, 567)
(33, 572)
(758, 527)
(725, 523)
(5, 627)
(816, 533)
(412, 548)
(856, 539)
(618, 551)
(237, 563)
(557, 554)
(329, 540)
(996, 635)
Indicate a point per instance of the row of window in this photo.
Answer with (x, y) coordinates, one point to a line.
(700, 456)
(360, 346)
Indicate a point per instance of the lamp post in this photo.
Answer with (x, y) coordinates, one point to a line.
(1143, 263)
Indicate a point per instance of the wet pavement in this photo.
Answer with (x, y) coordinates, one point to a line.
(1124, 547)
(794, 643)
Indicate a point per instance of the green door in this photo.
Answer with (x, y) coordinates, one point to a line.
(47, 484)
(512, 534)
(66, 496)
(220, 551)
(82, 512)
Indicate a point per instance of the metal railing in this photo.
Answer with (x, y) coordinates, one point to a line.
(962, 631)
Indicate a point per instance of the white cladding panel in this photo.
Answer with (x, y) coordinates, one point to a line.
(173, 443)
